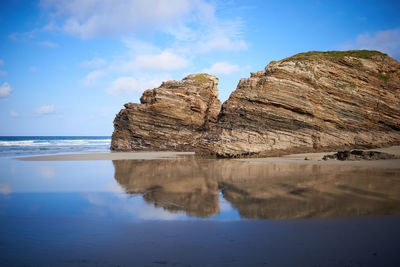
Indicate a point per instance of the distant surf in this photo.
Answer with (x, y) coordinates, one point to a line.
(32, 145)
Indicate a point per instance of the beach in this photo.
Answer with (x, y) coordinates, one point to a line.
(175, 209)
(314, 158)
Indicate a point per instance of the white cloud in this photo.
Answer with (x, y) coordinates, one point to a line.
(130, 85)
(222, 68)
(95, 18)
(14, 114)
(5, 90)
(94, 63)
(210, 36)
(48, 44)
(93, 77)
(166, 61)
(387, 41)
(33, 69)
(222, 44)
(45, 110)
(142, 60)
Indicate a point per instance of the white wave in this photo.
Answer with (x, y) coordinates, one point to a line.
(46, 143)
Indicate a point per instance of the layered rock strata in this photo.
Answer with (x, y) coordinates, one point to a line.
(312, 101)
(315, 101)
(261, 191)
(170, 117)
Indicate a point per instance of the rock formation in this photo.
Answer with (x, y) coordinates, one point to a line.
(312, 101)
(360, 155)
(315, 101)
(170, 117)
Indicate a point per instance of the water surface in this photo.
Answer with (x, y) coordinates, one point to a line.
(197, 212)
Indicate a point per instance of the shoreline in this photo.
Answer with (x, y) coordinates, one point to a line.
(110, 156)
(315, 158)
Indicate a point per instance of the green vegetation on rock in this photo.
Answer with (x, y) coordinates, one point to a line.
(383, 77)
(202, 78)
(365, 54)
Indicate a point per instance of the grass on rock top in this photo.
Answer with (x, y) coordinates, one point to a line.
(202, 78)
(365, 54)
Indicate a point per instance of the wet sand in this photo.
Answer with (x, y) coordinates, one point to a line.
(86, 210)
(316, 158)
(339, 242)
(110, 156)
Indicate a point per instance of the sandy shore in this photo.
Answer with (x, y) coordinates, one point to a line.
(316, 158)
(110, 156)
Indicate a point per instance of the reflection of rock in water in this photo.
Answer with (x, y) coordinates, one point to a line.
(175, 185)
(289, 191)
(262, 190)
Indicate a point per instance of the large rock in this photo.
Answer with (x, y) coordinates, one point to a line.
(312, 101)
(170, 117)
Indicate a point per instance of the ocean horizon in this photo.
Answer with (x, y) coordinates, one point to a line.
(11, 146)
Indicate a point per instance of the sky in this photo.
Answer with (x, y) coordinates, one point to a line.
(67, 67)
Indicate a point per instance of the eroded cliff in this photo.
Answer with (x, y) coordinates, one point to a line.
(315, 101)
(170, 117)
(312, 101)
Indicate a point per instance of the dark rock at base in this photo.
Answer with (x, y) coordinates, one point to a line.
(360, 155)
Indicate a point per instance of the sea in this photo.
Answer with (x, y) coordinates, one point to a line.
(20, 146)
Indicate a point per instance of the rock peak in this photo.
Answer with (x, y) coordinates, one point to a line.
(170, 117)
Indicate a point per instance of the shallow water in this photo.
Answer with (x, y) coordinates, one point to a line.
(197, 212)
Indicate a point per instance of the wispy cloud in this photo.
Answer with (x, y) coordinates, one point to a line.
(5, 90)
(45, 110)
(91, 18)
(1, 62)
(48, 44)
(22, 36)
(222, 68)
(14, 114)
(193, 24)
(93, 77)
(222, 44)
(130, 85)
(166, 61)
(94, 63)
(387, 41)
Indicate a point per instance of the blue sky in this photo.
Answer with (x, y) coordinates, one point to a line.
(67, 67)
